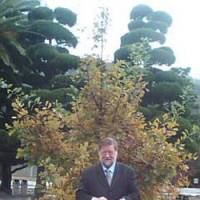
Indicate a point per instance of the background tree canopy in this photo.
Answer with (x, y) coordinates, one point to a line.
(147, 30)
(34, 42)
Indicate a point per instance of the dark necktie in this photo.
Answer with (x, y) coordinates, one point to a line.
(108, 176)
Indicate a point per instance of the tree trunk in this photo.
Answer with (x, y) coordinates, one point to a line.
(40, 184)
(6, 178)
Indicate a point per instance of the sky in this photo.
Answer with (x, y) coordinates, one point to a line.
(183, 36)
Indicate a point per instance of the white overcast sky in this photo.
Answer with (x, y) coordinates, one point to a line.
(183, 35)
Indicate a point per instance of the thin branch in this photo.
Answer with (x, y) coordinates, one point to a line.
(117, 106)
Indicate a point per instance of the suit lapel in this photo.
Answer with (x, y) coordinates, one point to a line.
(116, 175)
(101, 176)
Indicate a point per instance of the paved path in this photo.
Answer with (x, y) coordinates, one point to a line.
(15, 198)
(4, 196)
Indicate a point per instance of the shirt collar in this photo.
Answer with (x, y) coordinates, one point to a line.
(111, 168)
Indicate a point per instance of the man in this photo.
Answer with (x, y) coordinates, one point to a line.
(109, 179)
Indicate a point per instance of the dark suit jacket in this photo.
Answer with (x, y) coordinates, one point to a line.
(93, 183)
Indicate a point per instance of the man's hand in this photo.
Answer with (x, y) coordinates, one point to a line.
(99, 198)
(103, 198)
(94, 198)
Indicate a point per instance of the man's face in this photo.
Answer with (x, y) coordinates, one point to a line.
(108, 155)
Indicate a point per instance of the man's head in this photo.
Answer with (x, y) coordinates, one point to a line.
(108, 151)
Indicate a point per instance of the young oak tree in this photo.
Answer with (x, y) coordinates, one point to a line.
(64, 144)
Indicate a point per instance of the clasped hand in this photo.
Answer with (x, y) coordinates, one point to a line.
(99, 198)
(103, 198)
